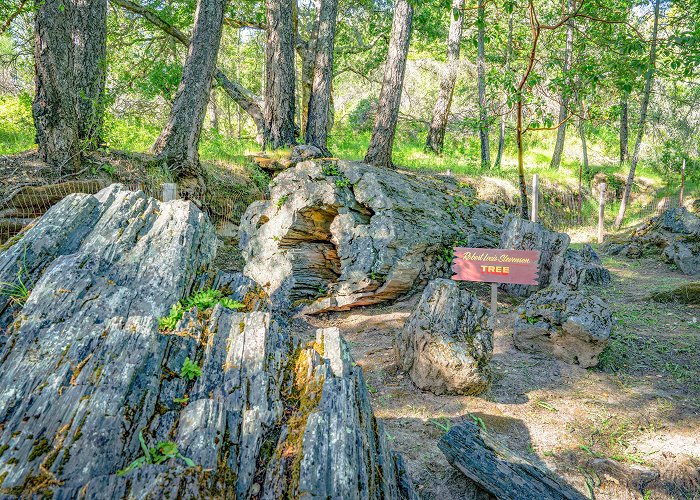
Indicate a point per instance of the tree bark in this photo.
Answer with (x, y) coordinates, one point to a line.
(280, 75)
(382, 141)
(242, 96)
(504, 116)
(441, 111)
(481, 84)
(54, 110)
(306, 50)
(320, 99)
(179, 140)
(564, 104)
(484, 459)
(624, 128)
(90, 67)
(642, 118)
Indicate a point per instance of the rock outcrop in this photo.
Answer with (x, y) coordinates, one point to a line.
(558, 263)
(447, 342)
(100, 403)
(342, 234)
(674, 235)
(569, 325)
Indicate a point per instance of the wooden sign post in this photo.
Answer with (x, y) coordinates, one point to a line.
(493, 265)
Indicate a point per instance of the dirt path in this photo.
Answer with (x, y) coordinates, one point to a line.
(598, 428)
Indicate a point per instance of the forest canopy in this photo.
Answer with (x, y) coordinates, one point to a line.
(561, 88)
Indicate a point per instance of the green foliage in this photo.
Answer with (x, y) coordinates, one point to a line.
(360, 117)
(190, 370)
(17, 130)
(17, 291)
(202, 300)
(161, 452)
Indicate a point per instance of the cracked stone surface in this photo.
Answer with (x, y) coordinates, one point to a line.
(558, 263)
(447, 342)
(570, 325)
(674, 235)
(85, 371)
(341, 234)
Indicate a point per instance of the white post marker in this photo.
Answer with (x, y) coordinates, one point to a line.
(535, 197)
(169, 191)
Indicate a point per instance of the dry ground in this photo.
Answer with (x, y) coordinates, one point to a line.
(627, 429)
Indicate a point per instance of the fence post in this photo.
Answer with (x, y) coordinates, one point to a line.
(169, 191)
(535, 198)
(682, 184)
(601, 213)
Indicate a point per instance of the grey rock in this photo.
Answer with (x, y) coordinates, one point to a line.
(558, 264)
(584, 267)
(85, 371)
(303, 152)
(336, 235)
(673, 235)
(447, 342)
(570, 325)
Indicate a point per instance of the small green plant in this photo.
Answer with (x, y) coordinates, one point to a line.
(202, 300)
(547, 406)
(17, 291)
(478, 421)
(190, 370)
(443, 423)
(161, 452)
(169, 322)
(182, 401)
(282, 200)
(331, 169)
(229, 303)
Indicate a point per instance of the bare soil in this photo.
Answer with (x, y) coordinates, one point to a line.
(629, 428)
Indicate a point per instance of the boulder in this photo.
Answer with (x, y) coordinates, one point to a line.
(674, 235)
(570, 325)
(584, 267)
(98, 402)
(340, 234)
(447, 342)
(558, 263)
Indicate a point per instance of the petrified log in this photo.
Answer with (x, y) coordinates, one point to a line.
(506, 475)
(99, 402)
(340, 234)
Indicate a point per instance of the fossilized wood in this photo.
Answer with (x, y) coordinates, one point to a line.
(498, 470)
(85, 371)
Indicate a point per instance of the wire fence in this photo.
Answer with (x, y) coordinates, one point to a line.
(26, 203)
(558, 208)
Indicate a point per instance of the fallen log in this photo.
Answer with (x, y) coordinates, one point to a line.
(479, 456)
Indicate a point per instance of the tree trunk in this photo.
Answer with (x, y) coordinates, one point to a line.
(481, 84)
(241, 95)
(70, 48)
(521, 163)
(320, 100)
(90, 67)
(564, 104)
(441, 111)
(504, 116)
(624, 128)
(179, 140)
(642, 118)
(213, 112)
(306, 50)
(280, 75)
(382, 141)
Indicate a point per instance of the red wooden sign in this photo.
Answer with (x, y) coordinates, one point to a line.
(519, 267)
